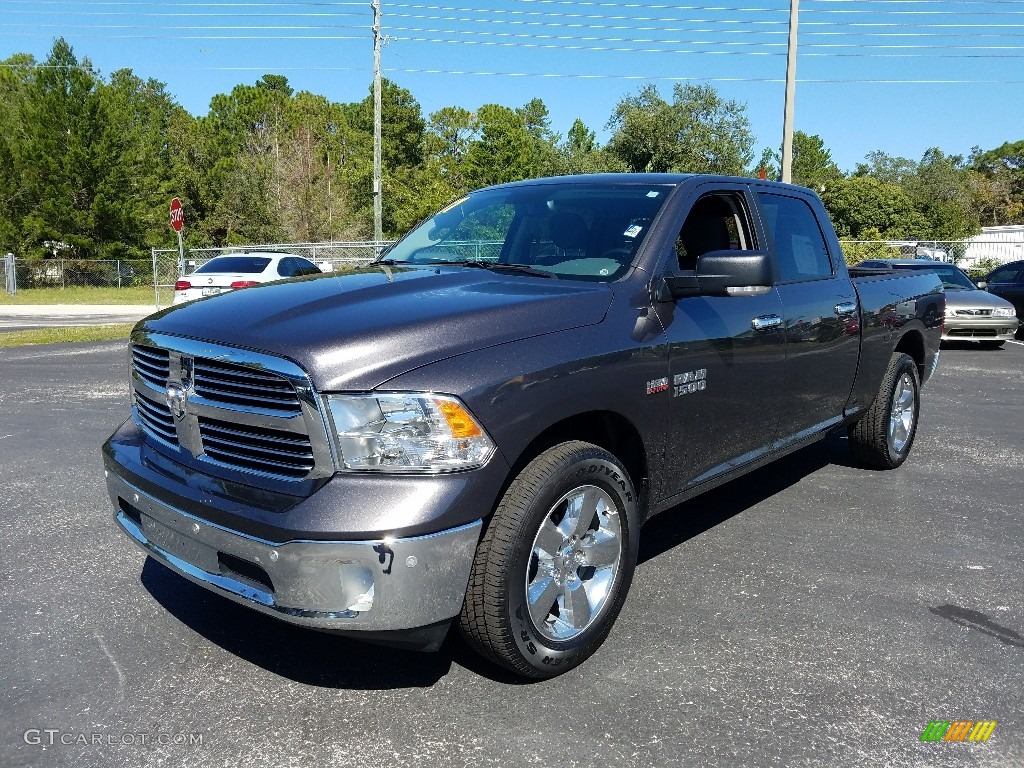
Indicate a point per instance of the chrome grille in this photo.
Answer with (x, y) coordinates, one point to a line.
(156, 419)
(231, 409)
(257, 448)
(239, 385)
(152, 365)
(974, 312)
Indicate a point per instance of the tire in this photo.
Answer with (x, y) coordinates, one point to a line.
(547, 583)
(991, 344)
(883, 437)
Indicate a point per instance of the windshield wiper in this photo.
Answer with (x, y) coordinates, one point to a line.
(499, 266)
(494, 266)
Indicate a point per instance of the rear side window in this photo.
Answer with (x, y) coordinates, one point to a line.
(243, 264)
(799, 244)
(1005, 275)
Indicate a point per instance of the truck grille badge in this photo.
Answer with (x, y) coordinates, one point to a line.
(177, 393)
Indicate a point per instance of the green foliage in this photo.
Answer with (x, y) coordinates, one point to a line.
(1000, 183)
(869, 246)
(860, 204)
(940, 187)
(89, 163)
(698, 132)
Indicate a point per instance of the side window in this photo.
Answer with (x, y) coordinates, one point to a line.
(1004, 275)
(799, 244)
(717, 222)
(285, 267)
(303, 267)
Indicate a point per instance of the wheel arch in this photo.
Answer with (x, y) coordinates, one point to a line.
(912, 343)
(607, 429)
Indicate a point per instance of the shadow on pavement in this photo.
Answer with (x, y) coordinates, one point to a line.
(305, 655)
(691, 518)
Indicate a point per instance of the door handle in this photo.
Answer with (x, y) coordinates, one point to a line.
(766, 322)
(846, 308)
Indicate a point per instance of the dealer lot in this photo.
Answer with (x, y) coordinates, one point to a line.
(808, 614)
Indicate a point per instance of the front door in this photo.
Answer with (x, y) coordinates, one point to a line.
(725, 373)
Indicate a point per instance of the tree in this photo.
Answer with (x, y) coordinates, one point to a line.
(698, 132)
(812, 162)
(513, 144)
(1000, 186)
(860, 204)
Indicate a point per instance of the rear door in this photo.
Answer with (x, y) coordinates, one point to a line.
(820, 311)
(726, 353)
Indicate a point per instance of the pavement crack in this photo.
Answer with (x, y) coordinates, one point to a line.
(117, 668)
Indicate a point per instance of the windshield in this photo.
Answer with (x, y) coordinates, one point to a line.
(582, 231)
(950, 276)
(246, 264)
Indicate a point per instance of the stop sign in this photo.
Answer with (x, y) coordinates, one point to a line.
(177, 215)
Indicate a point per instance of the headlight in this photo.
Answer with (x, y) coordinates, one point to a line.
(407, 432)
(950, 312)
(1003, 312)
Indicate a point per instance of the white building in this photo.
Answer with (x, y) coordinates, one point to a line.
(1002, 244)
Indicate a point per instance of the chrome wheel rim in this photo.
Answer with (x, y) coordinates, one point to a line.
(901, 414)
(573, 563)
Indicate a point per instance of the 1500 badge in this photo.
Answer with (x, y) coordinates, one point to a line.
(689, 382)
(682, 383)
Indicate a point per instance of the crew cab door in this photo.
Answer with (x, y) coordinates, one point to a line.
(726, 353)
(820, 310)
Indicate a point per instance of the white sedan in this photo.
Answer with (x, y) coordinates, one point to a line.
(229, 273)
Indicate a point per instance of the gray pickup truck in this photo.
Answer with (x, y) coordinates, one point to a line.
(475, 427)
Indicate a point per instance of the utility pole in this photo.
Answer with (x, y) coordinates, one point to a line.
(787, 121)
(378, 207)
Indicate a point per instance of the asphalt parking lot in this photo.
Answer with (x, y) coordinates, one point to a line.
(810, 614)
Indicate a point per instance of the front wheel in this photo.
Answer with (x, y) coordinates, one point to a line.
(553, 568)
(882, 438)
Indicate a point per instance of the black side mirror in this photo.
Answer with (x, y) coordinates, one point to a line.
(722, 273)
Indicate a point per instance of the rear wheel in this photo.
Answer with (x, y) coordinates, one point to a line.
(553, 568)
(882, 438)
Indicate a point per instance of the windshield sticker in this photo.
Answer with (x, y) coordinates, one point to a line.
(633, 230)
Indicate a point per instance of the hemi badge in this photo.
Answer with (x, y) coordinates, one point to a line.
(657, 385)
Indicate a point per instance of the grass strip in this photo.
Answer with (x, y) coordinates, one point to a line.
(72, 295)
(60, 335)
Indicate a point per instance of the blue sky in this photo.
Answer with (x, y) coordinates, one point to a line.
(896, 75)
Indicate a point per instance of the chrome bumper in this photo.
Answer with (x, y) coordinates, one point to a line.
(382, 585)
(985, 328)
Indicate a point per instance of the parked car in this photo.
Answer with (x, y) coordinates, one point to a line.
(435, 438)
(971, 313)
(243, 270)
(1007, 282)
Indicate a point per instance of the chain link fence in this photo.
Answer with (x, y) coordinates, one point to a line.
(159, 273)
(969, 255)
(77, 273)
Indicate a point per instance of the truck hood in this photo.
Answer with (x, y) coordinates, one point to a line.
(357, 330)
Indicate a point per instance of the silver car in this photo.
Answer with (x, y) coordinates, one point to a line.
(971, 313)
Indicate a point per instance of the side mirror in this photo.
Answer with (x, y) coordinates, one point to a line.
(981, 284)
(722, 273)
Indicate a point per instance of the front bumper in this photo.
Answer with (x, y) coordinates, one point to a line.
(982, 328)
(367, 554)
(388, 584)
